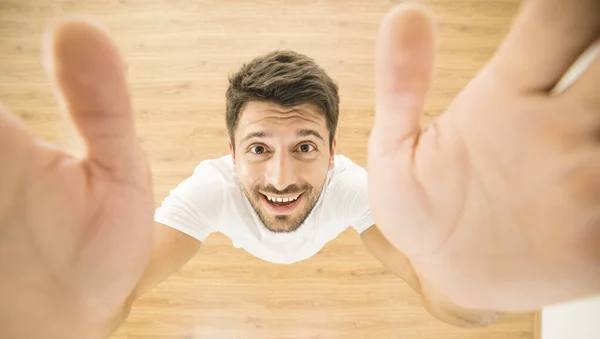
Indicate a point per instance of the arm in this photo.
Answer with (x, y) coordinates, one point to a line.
(192, 211)
(195, 207)
(171, 250)
(436, 304)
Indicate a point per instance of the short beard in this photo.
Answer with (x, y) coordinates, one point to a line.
(298, 221)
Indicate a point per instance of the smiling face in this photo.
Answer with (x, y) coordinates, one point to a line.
(282, 112)
(282, 156)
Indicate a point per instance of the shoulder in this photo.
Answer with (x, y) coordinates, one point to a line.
(349, 193)
(222, 166)
(347, 176)
(196, 205)
(347, 168)
(212, 173)
(343, 163)
(205, 186)
(347, 184)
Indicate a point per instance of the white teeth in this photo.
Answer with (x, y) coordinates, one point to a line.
(274, 199)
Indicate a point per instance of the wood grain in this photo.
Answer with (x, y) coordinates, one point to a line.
(179, 53)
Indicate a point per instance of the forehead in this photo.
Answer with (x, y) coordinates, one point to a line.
(258, 115)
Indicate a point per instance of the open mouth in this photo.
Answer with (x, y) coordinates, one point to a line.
(282, 205)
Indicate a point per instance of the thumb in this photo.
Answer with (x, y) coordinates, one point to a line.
(89, 74)
(404, 63)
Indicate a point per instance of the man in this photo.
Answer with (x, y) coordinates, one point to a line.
(75, 233)
(282, 193)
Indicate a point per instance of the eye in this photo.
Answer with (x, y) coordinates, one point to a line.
(305, 148)
(257, 149)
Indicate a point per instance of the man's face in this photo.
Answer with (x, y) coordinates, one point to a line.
(282, 157)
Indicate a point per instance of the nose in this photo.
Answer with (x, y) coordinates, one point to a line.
(281, 171)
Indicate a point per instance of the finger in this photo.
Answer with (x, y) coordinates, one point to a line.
(404, 62)
(88, 72)
(545, 40)
(584, 79)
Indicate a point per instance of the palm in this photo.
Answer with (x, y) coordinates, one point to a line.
(74, 232)
(496, 203)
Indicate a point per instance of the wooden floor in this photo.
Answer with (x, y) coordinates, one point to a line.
(179, 53)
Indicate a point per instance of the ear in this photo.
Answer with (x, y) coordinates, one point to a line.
(231, 150)
(332, 155)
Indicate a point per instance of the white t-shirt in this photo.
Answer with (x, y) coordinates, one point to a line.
(211, 201)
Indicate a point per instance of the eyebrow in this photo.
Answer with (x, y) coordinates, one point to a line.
(304, 132)
(255, 135)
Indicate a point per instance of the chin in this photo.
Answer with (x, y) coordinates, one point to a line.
(275, 225)
(285, 229)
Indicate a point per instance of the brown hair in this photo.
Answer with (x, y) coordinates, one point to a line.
(286, 78)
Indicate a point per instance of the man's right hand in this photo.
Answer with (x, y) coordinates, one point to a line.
(75, 234)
